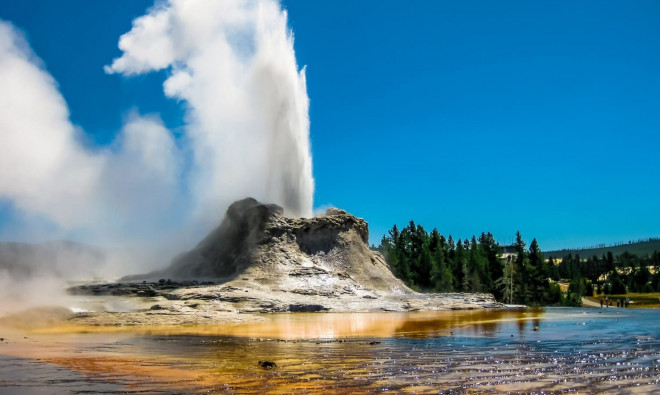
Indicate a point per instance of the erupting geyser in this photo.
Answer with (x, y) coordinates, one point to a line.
(234, 65)
(231, 65)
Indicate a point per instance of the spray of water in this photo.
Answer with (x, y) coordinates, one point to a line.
(230, 63)
(233, 64)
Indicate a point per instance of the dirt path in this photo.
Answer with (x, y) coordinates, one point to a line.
(589, 303)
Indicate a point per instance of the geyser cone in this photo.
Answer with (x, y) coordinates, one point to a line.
(257, 239)
(260, 261)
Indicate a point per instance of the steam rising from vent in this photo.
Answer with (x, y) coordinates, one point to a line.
(232, 66)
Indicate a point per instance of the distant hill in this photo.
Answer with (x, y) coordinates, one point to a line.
(639, 248)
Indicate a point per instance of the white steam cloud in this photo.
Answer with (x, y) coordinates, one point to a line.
(232, 66)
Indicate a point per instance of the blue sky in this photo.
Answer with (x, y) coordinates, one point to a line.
(467, 116)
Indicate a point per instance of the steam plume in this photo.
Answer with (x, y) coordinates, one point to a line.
(232, 66)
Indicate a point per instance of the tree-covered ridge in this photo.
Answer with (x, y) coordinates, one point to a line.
(611, 274)
(641, 248)
(513, 274)
(431, 261)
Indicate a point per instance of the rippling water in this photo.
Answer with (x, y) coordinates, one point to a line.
(555, 350)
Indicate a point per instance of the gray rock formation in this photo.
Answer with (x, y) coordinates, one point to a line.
(256, 239)
(259, 261)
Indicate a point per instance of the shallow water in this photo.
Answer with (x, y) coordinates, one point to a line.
(552, 350)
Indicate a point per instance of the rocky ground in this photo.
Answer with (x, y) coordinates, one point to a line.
(243, 299)
(260, 261)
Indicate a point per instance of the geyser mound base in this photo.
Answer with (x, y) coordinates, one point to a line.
(256, 237)
(260, 261)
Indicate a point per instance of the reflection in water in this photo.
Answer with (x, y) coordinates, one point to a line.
(474, 322)
(557, 350)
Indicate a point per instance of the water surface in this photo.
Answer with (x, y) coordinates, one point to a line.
(552, 350)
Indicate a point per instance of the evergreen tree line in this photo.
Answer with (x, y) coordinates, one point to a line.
(430, 262)
(611, 274)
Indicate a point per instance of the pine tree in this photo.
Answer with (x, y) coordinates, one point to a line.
(538, 273)
(403, 253)
(425, 267)
(463, 280)
(609, 262)
(424, 264)
(388, 249)
(441, 276)
(445, 282)
(617, 283)
(434, 241)
(477, 266)
(494, 266)
(522, 270)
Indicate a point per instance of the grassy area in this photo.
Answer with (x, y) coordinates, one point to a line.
(647, 300)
